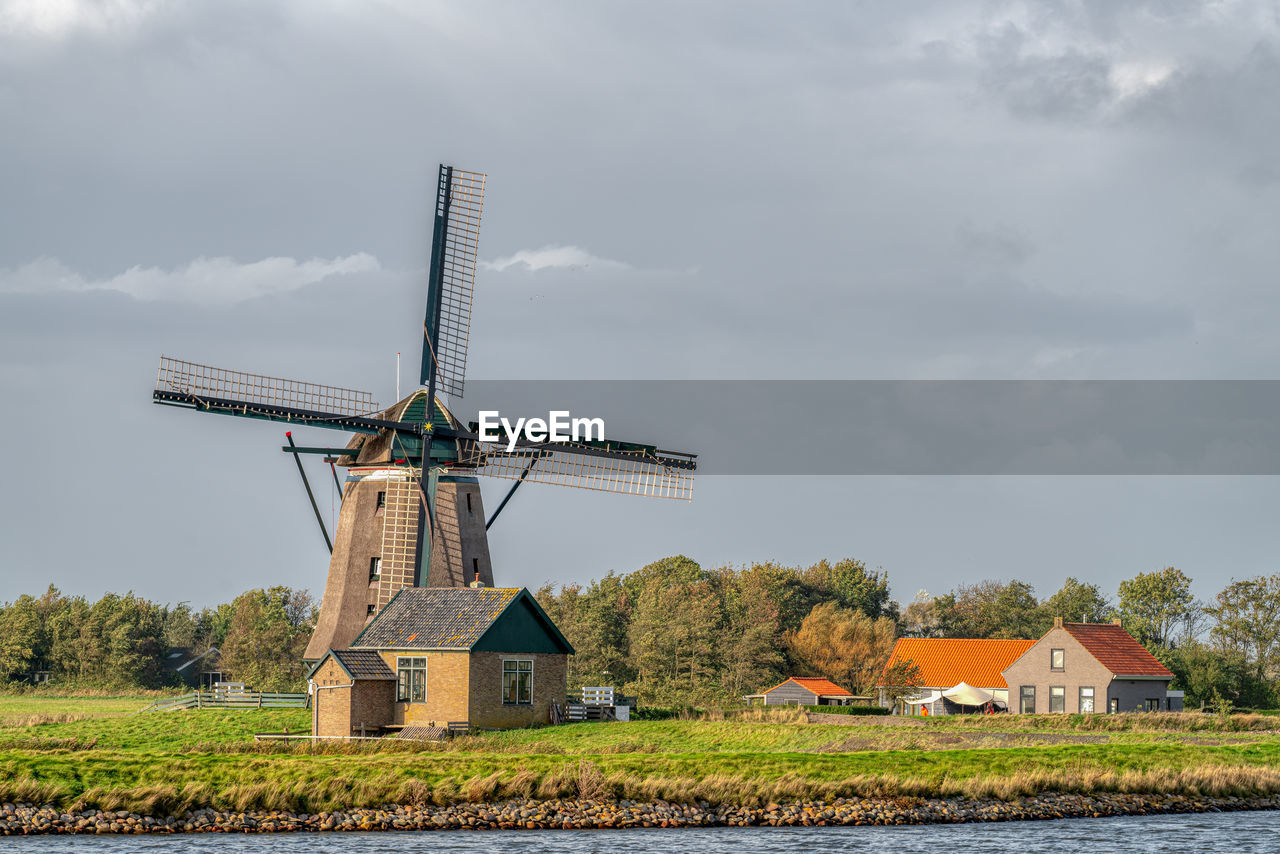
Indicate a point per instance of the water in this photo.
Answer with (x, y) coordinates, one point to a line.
(1224, 832)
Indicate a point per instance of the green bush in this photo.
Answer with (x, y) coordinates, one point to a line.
(657, 713)
(847, 710)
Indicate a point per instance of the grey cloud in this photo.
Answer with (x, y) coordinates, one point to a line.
(858, 192)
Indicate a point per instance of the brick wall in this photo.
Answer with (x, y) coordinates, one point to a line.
(372, 702)
(448, 678)
(332, 707)
(550, 677)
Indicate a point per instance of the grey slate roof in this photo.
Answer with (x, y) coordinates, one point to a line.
(435, 618)
(363, 664)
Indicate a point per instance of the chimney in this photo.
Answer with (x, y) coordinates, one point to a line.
(1118, 622)
(476, 583)
(1057, 622)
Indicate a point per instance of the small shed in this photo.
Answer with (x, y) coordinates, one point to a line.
(805, 691)
(195, 669)
(352, 693)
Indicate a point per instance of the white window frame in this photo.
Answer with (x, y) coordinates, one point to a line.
(503, 685)
(1093, 699)
(1061, 697)
(411, 668)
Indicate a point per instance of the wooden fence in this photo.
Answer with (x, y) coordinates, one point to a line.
(231, 700)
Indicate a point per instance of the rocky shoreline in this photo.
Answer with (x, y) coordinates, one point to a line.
(28, 819)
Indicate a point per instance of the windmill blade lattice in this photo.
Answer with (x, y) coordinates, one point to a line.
(565, 464)
(464, 192)
(204, 382)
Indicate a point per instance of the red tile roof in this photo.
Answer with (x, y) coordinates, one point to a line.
(821, 687)
(945, 662)
(1116, 649)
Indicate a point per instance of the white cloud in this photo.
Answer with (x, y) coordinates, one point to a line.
(56, 18)
(553, 257)
(204, 280)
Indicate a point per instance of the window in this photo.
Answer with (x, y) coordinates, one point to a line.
(517, 683)
(469, 510)
(372, 609)
(411, 678)
(375, 568)
(382, 503)
(1057, 699)
(1113, 705)
(1028, 697)
(475, 569)
(1086, 700)
(1057, 659)
(1153, 704)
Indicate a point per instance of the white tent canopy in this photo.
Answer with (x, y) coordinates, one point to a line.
(931, 697)
(965, 694)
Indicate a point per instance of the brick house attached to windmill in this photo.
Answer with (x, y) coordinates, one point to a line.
(444, 658)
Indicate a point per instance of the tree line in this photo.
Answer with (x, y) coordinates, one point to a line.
(676, 633)
(122, 642)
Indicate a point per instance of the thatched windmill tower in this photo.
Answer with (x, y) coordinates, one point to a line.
(415, 458)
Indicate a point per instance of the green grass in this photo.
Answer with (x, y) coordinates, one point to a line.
(103, 755)
(17, 709)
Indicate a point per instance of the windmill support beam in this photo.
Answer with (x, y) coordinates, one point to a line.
(328, 452)
(510, 492)
(274, 412)
(311, 496)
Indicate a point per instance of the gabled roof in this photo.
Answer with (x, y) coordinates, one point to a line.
(357, 664)
(1116, 649)
(457, 618)
(819, 686)
(944, 662)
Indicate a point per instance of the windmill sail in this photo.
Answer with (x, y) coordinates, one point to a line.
(455, 244)
(205, 383)
(658, 475)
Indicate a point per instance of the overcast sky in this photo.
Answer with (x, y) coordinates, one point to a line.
(1083, 190)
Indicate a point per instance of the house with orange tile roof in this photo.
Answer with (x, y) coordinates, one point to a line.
(945, 664)
(806, 691)
(1074, 668)
(1090, 667)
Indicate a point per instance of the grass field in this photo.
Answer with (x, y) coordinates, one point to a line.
(95, 752)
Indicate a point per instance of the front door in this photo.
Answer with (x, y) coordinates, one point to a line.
(1113, 705)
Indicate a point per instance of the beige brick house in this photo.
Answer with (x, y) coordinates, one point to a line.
(1089, 668)
(484, 657)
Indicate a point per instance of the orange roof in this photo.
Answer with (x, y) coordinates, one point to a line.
(819, 686)
(1116, 649)
(945, 662)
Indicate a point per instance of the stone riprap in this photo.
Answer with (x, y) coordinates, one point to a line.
(26, 819)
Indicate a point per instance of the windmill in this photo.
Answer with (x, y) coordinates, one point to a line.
(415, 458)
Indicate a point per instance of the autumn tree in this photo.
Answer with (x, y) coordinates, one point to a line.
(844, 645)
(900, 679)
